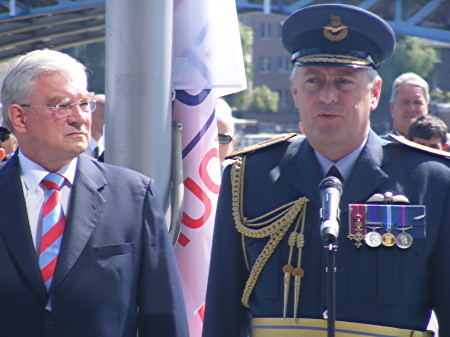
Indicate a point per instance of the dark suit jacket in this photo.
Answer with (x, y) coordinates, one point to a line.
(385, 285)
(116, 271)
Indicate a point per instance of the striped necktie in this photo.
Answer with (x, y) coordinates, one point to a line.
(53, 223)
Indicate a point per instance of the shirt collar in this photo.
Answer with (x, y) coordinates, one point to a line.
(344, 165)
(32, 173)
(93, 144)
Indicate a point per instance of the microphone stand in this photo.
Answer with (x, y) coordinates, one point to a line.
(330, 192)
(331, 282)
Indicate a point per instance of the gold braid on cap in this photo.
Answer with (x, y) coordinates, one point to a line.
(332, 58)
(274, 224)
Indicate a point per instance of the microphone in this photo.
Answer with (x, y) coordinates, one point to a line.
(330, 189)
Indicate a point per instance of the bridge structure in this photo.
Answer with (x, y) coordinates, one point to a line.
(58, 24)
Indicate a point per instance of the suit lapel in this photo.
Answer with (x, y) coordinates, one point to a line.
(86, 206)
(15, 227)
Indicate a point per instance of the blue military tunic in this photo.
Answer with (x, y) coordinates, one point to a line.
(385, 286)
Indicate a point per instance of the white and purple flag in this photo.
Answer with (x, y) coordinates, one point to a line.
(207, 63)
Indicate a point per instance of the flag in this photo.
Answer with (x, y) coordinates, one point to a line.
(207, 63)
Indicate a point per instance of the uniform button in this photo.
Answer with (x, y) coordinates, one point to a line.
(49, 325)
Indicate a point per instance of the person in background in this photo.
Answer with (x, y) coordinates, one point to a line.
(96, 145)
(410, 98)
(225, 128)
(8, 142)
(429, 130)
(268, 273)
(84, 246)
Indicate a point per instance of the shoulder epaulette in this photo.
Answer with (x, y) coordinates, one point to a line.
(262, 145)
(417, 146)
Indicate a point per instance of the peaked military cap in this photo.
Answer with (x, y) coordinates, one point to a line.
(337, 35)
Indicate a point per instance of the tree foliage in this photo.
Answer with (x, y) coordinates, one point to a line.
(440, 96)
(258, 98)
(242, 99)
(264, 99)
(411, 55)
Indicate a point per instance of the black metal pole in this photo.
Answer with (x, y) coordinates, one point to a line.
(331, 276)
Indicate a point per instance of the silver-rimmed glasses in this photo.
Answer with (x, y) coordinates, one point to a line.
(65, 109)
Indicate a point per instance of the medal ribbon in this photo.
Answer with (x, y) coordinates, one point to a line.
(389, 212)
(403, 216)
(373, 214)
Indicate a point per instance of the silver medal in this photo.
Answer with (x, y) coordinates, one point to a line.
(373, 239)
(404, 240)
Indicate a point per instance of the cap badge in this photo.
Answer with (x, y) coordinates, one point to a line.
(335, 31)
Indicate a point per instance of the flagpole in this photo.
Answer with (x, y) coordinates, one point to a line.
(138, 88)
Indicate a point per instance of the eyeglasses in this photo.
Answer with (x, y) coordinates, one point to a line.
(65, 109)
(225, 139)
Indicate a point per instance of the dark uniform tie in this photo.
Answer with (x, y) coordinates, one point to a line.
(96, 152)
(334, 172)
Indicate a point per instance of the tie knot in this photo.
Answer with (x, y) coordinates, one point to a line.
(53, 181)
(334, 172)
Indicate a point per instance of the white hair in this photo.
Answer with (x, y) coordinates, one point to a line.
(19, 80)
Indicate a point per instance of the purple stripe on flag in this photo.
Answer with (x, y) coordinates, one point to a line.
(198, 136)
(192, 100)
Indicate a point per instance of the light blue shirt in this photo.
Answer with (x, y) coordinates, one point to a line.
(344, 165)
(31, 175)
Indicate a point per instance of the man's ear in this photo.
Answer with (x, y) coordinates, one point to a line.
(17, 117)
(445, 148)
(376, 93)
(294, 92)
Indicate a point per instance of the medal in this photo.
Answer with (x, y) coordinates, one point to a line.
(386, 224)
(388, 239)
(373, 239)
(357, 229)
(404, 240)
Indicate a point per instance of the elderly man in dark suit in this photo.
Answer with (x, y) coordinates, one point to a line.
(268, 275)
(84, 248)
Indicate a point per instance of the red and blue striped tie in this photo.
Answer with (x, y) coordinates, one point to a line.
(53, 223)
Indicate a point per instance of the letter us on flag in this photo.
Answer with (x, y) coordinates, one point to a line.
(207, 63)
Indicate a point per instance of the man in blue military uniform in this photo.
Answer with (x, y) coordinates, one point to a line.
(267, 275)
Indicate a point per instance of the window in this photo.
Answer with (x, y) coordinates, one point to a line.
(283, 64)
(284, 98)
(265, 31)
(264, 64)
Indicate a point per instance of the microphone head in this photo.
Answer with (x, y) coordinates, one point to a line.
(330, 182)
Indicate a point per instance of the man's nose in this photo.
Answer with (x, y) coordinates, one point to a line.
(329, 94)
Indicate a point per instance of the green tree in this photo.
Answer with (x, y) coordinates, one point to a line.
(264, 99)
(440, 96)
(411, 54)
(242, 99)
